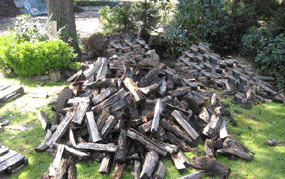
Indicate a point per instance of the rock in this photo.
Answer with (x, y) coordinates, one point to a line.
(55, 76)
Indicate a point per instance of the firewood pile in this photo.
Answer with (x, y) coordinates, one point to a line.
(131, 109)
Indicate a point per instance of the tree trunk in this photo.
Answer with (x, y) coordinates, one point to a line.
(62, 12)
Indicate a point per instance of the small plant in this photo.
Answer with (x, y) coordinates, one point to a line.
(75, 66)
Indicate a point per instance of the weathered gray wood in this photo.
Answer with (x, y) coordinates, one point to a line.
(145, 127)
(62, 169)
(77, 153)
(156, 118)
(179, 162)
(76, 75)
(213, 126)
(160, 171)
(110, 82)
(223, 129)
(78, 100)
(163, 87)
(105, 164)
(209, 148)
(101, 75)
(80, 112)
(102, 119)
(151, 160)
(107, 128)
(233, 147)
(119, 168)
(62, 99)
(45, 122)
(61, 129)
(92, 127)
(3, 150)
(12, 162)
(170, 148)
(54, 166)
(137, 169)
(9, 92)
(149, 89)
(71, 138)
(175, 130)
(204, 115)
(180, 91)
(98, 147)
(148, 78)
(187, 127)
(196, 175)
(133, 87)
(43, 146)
(103, 95)
(9, 154)
(71, 173)
(180, 143)
(214, 100)
(133, 134)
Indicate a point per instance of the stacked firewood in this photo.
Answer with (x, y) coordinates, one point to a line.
(134, 110)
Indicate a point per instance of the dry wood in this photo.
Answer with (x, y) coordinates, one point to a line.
(62, 99)
(156, 118)
(103, 95)
(119, 168)
(213, 126)
(151, 160)
(92, 127)
(71, 138)
(80, 112)
(122, 150)
(61, 129)
(109, 125)
(209, 148)
(160, 171)
(71, 173)
(77, 153)
(98, 147)
(101, 75)
(62, 169)
(43, 146)
(105, 164)
(54, 166)
(196, 175)
(76, 75)
(137, 169)
(10, 93)
(43, 118)
(235, 148)
(148, 78)
(187, 127)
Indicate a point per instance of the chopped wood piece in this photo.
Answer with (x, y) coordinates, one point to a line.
(110, 82)
(92, 127)
(42, 117)
(223, 130)
(156, 118)
(170, 148)
(211, 165)
(119, 168)
(101, 75)
(103, 95)
(76, 75)
(180, 91)
(105, 164)
(148, 78)
(232, 147)
(43, 146)
(180, 161)
(137, 169)
(61, 129)
(213, 126)
(144, 128)
(187, 127)
(76, 152)
(122, 150)
(204, 115)
(163, 87)
(71, 138)
(176, 130)
(176, 141)
(10, 93)
(54, 166)
(214, 100)
(62, 99)
(196, 175)
(209, 148)
(151, 160)
(160, 171)
(133, 87)
(98, 147)
(107, 128)
(152, 145)
(149, 89)
(80, 112)
(71, 173)
(102, 119)
(78, 100)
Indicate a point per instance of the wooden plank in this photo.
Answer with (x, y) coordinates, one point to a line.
(92, 127)
(10, 154)
(61, 129)
(8, 91)
(11, 162)
(3, 150)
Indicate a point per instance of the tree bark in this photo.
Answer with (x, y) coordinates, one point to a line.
(62, 12)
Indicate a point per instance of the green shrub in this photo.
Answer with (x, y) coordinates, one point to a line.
(34, 58)
(75, 66)
(271, 59)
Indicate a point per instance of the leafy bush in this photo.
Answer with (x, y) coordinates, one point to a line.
(75, 66)
(255, 41)
(271, 59)
(29, 58)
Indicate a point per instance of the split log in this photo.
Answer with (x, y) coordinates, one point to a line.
(105, 164)
(209, 148)
(43, 146)
(92, 127)
(148, 78)
(160, 171)
(134, 89)
(137, 169)
(176, 141)
(178, 92)
(194, 106)
(71, 138)
(77, 153)
(107, 128)
(204, 115)
(54, 166)
(80, 112)
(187, 127)
(170, 148)
(232, 147)
(71, 173)
(122, 150)
(151, 160)
(101, 75)
(98, 147)
(175, 130)
(61, 129)
(156, 118)
(223, 130)
(214, 100)
(78, 100)
(133, 134)
(170, 82)
(149, 89)
(76, 75)
(102, 119)
(110, 82)
(211, 165)
(119, 168)
(180, 161)
(213, 126)
(144, 128)
(103, 95)
(42, 117)
(172, 107)
(163, 87)
(62, 99)
(196, 175)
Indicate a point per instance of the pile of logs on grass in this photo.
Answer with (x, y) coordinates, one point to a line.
(120, 111)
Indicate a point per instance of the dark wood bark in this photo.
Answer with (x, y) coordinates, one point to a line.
(180, 161)
(99, 98)
(45, 122)
(62, 99)
(71, 173)
(148, 78)
(152, 145)
(175, 130)
(186, 126)
(110, 82)
(211, 165)
(43, 146)
(98, 147)
(151, 160)
(209, 148)
(119, 168)
(92, 127)
(233, 147)
(80, 112)
(75, 76)
(101, 75)
(107, 128)
(122, 150)
(62, 169)
(105, 164)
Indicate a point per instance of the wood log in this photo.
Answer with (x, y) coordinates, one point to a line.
(76, 75)
(77, 153)
(103, 95)
(42, 117)
(56, 118)
(105, 164)
(71, 173)
(80, 112)
(144, 128)
(161, 135)
(43, 146)
(137, 169)
(102, 119)
(119, 168)
(204, 115)
(214, 100)
(180, 161)
(196, 175)
(107, 128)
(175, 130)
(150, 89)
(151, 160)
(122, 150)
(54, 166)
(209, 148)
(170, 82)
(213, 126)
(170, 148)
(194, 106)
(110, 82)
(156, 118)
(232, 147)
(101, 75)
(98, 147)
(134, 89)
(211, 165)
(160, 171)
(78, 100)
(133, 134)
(62, 169)
(163, 87)
(178, 92)
(187, 127)
(148, 78)
(71, 138)
(10, 93)
(62, 99)
(172, 107)
(223, 129)
(61, 129)
(92, 127)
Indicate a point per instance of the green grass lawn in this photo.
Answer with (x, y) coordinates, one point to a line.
(268, 162)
